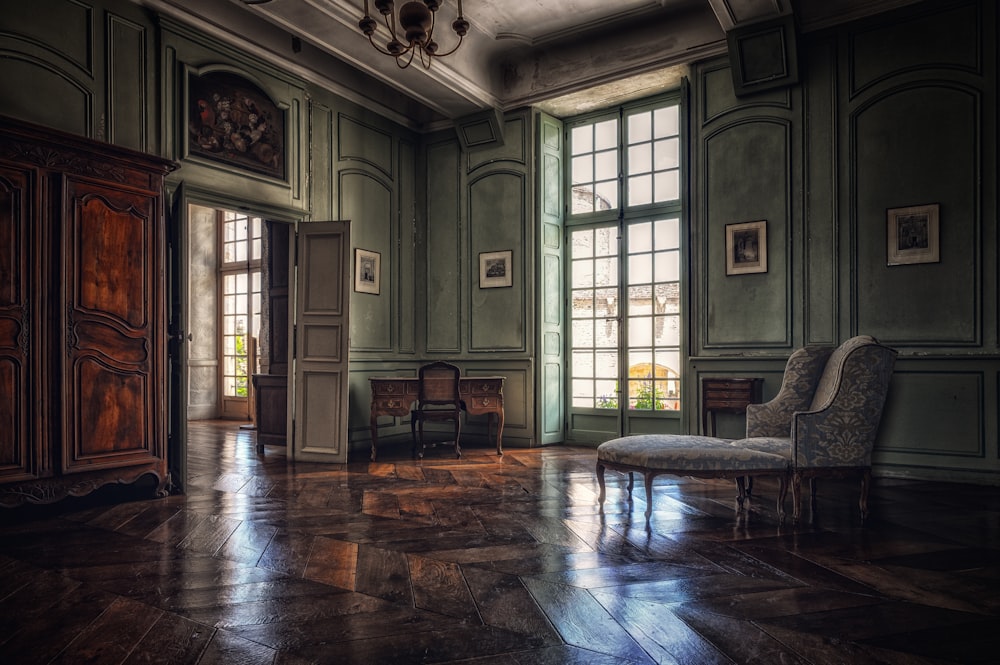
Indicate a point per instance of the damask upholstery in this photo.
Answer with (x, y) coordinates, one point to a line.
(822, 422)
(686, 455)
(835, 434)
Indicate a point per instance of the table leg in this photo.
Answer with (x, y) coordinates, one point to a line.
(499, 432)
(374, 428)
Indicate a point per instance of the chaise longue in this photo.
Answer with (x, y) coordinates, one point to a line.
(822, 422)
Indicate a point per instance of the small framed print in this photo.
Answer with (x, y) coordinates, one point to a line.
(495, 269)
(367, 271)
(912, 235)
(746, 248)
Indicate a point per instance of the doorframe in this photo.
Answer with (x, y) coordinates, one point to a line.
(180, 194)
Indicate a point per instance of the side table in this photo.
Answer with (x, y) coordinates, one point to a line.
(728, 395)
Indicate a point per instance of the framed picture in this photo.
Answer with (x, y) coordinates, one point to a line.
(913, 235)
(746, 248)
(367, 271)
(495, 269)
(232, 121)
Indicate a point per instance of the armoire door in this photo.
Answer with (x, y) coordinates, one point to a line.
(20, 339)
(113, 369)
(318, 398)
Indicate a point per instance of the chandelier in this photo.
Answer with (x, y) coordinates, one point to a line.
(416, 19)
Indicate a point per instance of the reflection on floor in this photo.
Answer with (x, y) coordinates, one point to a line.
(496, 562)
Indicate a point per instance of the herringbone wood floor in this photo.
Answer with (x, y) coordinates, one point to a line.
(494, 562)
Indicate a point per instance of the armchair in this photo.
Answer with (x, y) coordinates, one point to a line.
(825, 417)
(438, 399)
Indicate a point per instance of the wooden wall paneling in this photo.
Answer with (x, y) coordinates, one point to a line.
(445, 280)
(819, 241)
(367, 202)
(749, 310)
(497, 211)
(402, 266)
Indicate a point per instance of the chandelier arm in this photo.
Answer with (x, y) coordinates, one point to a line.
(379, 48)
(409, 60)
(441, 55)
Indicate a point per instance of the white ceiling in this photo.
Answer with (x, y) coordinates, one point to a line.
(563, 55)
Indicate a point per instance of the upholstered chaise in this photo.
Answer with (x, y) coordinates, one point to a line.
(687, 455)
(835, 434)
(822, 422)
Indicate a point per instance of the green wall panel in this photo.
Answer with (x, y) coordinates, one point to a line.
(748, 309)
(127, 83)
(931, 303)
(497, 223)
(445, 282)
(368, 204)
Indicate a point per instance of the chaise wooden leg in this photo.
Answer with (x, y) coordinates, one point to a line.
(796, 496)
(741, 490)
(866, 479)
(631, 484)
(600, 483)
(782, 492)
(648, 481)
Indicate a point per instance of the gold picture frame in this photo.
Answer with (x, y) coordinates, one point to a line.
(367, 271)
(912, 235)
(746, 248)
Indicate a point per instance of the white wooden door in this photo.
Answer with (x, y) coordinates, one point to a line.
(321, 256)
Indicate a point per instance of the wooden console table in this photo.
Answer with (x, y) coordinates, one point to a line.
(726, 394)
(394, 395)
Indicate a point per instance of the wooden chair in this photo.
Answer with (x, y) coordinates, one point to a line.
(437, 400)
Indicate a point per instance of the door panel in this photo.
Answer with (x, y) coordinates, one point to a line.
(18, 346)
(115, 327)
(178, 295)
(320, 349)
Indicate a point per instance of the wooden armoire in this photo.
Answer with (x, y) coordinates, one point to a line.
(83, 321)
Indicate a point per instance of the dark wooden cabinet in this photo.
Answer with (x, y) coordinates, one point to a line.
(82, 315)
(728, 395)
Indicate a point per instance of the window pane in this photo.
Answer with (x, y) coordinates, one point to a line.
(668, 233)
(583, 305)
(640, 159)
(606, 271)
(583, 169)
(583, 273)
(607, 195)
(640, 237)
(667, 154)
(606, 166)
(606, 135)
(668, 267)
(666, 121)
(640, 268)
(582, 139)
(606, 242)
(638, 127)
(640, 190)
(668, 186)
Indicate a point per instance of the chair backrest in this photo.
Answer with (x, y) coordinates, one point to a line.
(439, 383)
(798, 385)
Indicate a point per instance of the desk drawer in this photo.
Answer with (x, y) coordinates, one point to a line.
(391, 404)
(482, 387)
(729, 393)
(390, 387)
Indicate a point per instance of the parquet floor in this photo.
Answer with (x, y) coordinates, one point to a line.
(493, 563)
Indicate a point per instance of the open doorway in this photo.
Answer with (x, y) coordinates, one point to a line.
(225, 256)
